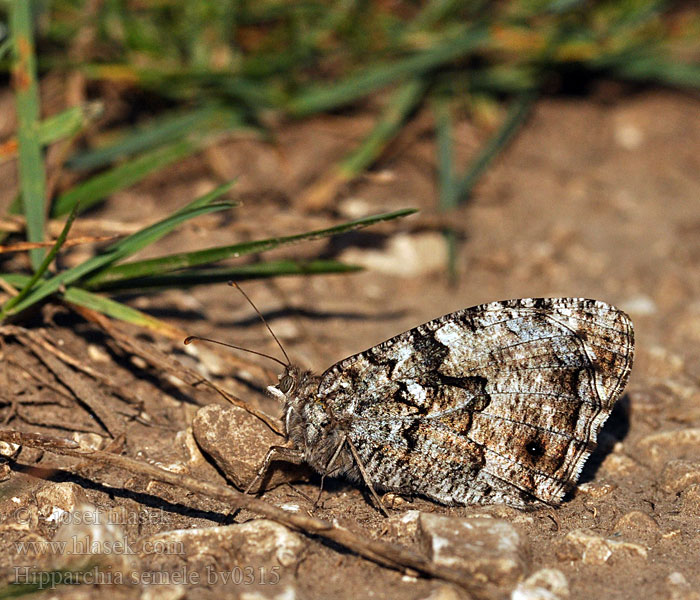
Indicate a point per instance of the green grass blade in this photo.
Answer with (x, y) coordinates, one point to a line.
(163, 130)
(244, 272)
(654, 68)
(31, 166)
(115, 309)
(24, 292)
(100, 186)
(5, 47)
(444, 129)
(208, 198)
(115, 252)
(67, 123)
(323, 98)
(106, 306)
(172, 262)
(404, 102)
(514, 119)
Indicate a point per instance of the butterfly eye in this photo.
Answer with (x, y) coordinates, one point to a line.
(286, 383)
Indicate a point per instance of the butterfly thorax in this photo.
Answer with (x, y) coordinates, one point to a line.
(309, 424)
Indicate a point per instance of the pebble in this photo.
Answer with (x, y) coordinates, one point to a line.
(257, 558)
(489, 550)
(637, 526)
(238, 442)
(679, 588)
(678, 475)
(661, 447)
(690, 499)
(545, 584)
(404, 256)
(593, 549)
(64, 497)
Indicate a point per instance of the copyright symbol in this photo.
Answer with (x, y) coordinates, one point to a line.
(23, 515)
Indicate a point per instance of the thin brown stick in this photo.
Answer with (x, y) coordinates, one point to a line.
(88, 394)
(388, 555)
(76, 241)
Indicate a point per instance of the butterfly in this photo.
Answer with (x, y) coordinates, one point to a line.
(498, 403)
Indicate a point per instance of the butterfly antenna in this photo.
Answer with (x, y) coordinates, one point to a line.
(192, 338)
(255, 308)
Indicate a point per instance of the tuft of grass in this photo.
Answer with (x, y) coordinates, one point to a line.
(128, 160)
(104, 272)
(214, 68)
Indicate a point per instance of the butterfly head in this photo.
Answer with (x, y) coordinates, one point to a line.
(287, 384)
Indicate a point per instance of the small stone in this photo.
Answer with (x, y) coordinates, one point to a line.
(444, 591)
(238, 442)
(662, 447)
(163, 592)
(679, 588)
(490, 550)
(62, 497)
(628, 136)
(679, 475)
(545, 584)
(93, 441)
(619, 464)
(639, 306)
(354, 208)
(592, 549)
(639, 527)
(283, 593)
(98, 353)
(690, 499)
(9, 449)
(595, 490)
(404, 256)
(258, 543)
(404, 524)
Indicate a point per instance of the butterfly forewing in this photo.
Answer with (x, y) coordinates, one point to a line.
(497, 403)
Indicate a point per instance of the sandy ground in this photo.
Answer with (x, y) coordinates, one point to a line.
(596, 198)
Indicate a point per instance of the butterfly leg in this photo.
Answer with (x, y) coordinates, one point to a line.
(328, 467)
(290, 455)
(365, 476)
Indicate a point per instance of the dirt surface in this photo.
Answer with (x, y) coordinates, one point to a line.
(596, 198)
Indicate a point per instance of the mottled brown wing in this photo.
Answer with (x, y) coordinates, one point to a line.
(501, 402)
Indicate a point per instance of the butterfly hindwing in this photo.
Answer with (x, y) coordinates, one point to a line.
(501, 402)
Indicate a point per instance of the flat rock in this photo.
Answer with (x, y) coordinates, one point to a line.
(91, 537)
(661, 447)
(593, 549)
(679, 475)
(238, 442)
(257, 542)
(545, 584)
(490, 550)
(637, 526)
(55, 500)
(679, 588)
(404, 255)
(258, 557)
